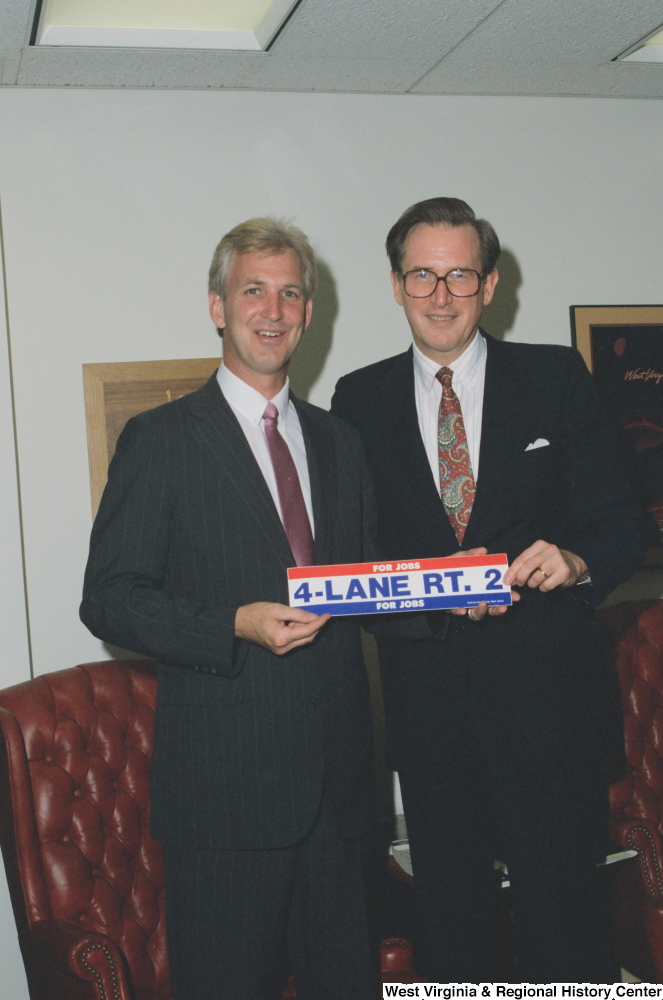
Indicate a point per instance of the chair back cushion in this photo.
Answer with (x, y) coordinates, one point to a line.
(88, 733)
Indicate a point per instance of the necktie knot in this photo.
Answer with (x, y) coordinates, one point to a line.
(271, 414)
(444, 377)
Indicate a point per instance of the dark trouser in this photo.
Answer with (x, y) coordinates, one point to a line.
(557, 892)
(508, 765)
(232, 917)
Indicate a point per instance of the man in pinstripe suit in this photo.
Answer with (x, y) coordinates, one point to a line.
(261, 780)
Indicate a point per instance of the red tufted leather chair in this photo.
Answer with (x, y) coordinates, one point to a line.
(635, 631)
(85, 877)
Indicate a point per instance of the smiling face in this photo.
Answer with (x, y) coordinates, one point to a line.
(443, 325)
(263, 315)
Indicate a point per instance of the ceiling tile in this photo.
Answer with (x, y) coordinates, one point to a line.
(175, 69)
(501, 47)
(422, 31)
(15, 23)
(564, 47)
(11, 62)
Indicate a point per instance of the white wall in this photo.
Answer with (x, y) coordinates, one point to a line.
(14, 655)
(14, 658)
(113, 202)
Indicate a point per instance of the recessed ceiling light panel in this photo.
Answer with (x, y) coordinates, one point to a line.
(179, 24)
(648, 49)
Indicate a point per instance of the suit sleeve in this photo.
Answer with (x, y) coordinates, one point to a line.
(341, 401)
(605, 524)
(126, 596)
(411, 625)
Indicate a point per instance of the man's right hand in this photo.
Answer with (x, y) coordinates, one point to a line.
(277, 627)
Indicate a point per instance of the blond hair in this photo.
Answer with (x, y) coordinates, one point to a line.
(267, 235)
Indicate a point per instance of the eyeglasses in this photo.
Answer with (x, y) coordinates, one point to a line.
(462, 282)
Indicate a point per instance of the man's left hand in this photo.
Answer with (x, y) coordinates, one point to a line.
(545, 567)
(482, 609)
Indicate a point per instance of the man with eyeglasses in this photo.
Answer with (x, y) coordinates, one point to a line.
(498, 733)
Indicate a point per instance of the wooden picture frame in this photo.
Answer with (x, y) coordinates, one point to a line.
(623, 349)
(584, 318)
(119, 390)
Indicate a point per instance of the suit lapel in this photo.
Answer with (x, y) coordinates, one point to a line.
(504, 436)
(224, 441)
(321, 460)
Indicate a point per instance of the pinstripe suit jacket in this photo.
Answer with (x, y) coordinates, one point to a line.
(187, 531)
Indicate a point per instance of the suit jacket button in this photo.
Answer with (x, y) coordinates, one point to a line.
(314, 701)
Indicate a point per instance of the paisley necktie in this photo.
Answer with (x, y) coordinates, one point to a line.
(457, 486)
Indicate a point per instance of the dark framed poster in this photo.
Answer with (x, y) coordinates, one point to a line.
(623, 349)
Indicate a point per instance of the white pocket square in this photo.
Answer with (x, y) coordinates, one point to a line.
(539, 443)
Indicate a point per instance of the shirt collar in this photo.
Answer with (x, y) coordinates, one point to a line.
(248, 401)
(464, 367)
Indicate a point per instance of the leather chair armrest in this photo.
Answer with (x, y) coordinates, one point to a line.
(641, 836)
(646, 892)
(87, 955)
(396, 962)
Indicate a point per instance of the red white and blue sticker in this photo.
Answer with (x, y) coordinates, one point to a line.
(399, 585)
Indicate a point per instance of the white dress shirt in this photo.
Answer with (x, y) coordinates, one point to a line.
(249, 405)
(469, 375)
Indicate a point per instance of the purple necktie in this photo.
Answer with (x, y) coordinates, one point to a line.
(293, 509)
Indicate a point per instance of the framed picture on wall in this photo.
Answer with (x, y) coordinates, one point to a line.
(117, 391)
(623, 349)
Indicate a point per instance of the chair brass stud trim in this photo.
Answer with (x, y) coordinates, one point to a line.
(97, 975)
(641, 854)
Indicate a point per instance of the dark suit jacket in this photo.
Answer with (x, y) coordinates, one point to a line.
(572, 492)
(187, 531)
